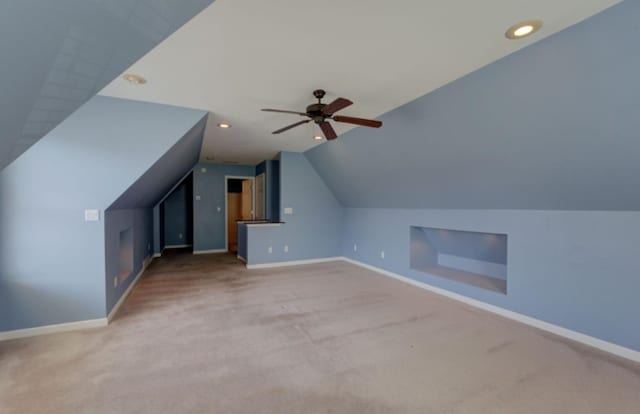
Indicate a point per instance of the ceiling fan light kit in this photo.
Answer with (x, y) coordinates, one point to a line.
(321, 113)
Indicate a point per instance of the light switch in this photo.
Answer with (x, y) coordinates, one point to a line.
(92, 215)
(219, 209)
(288, 210)
(198, 198)
(203, 170)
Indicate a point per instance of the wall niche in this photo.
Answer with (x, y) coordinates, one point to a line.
(126, 254)
(473, 258)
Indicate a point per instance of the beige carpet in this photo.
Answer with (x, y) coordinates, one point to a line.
(200, 334)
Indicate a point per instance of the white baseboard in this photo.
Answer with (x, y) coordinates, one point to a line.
(156, 255)
(178, 246)
(210, 251)
(49, 329)
(241, 258)
(74, 326)
(600, 344)
(527, 320)
(293, 263)
(118, 304)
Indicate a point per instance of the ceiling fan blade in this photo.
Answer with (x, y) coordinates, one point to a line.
(358, 121)
(283, 111)
(292, 126)
(329, 132)
(336, 106)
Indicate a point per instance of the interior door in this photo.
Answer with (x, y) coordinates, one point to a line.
(260, 204)
(234, 213)
(247, 200)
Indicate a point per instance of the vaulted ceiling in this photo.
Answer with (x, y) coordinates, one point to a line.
(553, 127)
(239, 56)
(55, 55)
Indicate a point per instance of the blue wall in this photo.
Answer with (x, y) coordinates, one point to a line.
(273, 190)
(271, 170)
(53, 262)
(158, 229)
(178, 215)
(242, 241)
(312, 231)
(578, 270)
(140, 221)
(552, 127)
(208, 222)
(57, 54)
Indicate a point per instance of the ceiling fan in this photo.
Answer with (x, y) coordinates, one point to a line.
(320, 113)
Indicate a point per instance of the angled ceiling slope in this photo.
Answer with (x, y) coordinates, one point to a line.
(239, 56)
(55, 55)
(552, 127)
(89, 161)
(163, 175)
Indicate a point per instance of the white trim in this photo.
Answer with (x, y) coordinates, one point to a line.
(116, 307)
(156, 255)
(293, 263)
(262, 224)
(600, 344)
(178, 246)
(527, 320)
(241, 258)
(49, 329)
(253, 201)
(210, 251)
(75, 326)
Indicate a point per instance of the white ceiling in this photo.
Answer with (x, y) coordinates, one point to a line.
(238, 56)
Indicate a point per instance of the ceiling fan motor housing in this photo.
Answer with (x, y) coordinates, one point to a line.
(320, 113)
(315, 112)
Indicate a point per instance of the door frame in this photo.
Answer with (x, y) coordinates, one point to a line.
(226, 212)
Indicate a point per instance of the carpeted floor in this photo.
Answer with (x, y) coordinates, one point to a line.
(200, 334)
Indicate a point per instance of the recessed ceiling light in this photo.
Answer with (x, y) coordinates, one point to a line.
(135, 79)
(317, 138)
(523, 29)
(224, 125)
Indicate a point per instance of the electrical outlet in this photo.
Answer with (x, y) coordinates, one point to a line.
(92, 215)
(180, 236)
(115, 282)
(270, 249)
(286, 248)
(219, 209)
(355, 247)
(382, 254)
(149, 247)
(198, 198)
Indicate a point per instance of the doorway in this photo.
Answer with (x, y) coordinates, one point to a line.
(240, 205)
(177, 216)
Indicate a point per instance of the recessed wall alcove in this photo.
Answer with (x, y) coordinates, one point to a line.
(126, 254)
(473, 258)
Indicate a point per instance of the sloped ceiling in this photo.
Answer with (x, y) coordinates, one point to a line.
(55, 55)
(238, 56)
(159, 179)
(553, 126)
